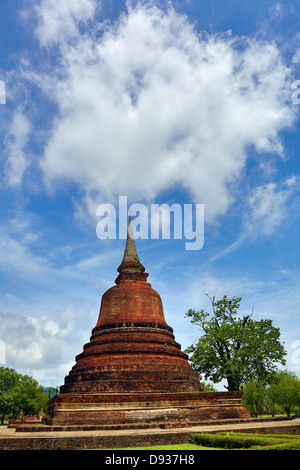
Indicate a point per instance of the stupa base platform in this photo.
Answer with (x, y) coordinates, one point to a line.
(134, 409)
(42, 428)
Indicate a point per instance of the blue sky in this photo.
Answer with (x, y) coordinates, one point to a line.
(188, 102)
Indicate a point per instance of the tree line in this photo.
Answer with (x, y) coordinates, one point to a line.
(19, 392)
(281, 396)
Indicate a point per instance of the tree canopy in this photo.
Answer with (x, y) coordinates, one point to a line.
(238, 349)
(20, 392)
(282, 395)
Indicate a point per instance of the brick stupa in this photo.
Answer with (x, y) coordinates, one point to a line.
(133, 371)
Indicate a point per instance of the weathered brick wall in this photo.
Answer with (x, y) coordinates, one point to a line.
(144, 407)
(120, 417)
(150, 398)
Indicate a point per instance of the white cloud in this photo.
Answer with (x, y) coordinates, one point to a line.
(151, 103)
(41, 346)
(269, 207)
(15, 148)
(18, 241)
(60, 20)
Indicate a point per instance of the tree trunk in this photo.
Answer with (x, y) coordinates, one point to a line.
(233, 385)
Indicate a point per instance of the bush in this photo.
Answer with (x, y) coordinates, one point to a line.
(247, 441)
(283, 442)
(291, 445)
(264, 436)
(226, 441)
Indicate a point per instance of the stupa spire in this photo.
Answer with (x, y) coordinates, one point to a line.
(130, 261)
(130, 253)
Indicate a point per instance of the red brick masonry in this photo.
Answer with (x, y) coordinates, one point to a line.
(76, 409)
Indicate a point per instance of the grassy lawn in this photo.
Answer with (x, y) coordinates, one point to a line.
(170, 447)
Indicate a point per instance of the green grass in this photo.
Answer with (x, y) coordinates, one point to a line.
(169, 447)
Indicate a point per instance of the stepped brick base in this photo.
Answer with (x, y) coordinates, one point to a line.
(141, 408)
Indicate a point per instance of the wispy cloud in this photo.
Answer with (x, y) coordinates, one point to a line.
(269, 211)
(270, 206)
(60, 21)
(15, 148)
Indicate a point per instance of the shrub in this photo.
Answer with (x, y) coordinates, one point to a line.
(247, 441)
(285, 446)
(226, 441)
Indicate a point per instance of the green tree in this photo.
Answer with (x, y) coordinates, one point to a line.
(234, 348)
(20, 392)
(271, 394)
(208, 387)
(30, 395)
(283, 394)
(287, 391)
(254, 397)
(8, 382)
